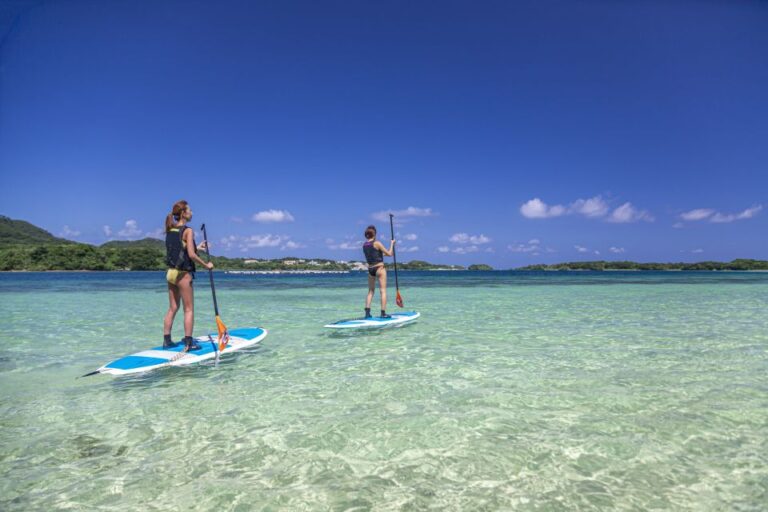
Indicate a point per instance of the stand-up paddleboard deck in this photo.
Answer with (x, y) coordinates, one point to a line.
(160, 357)
(376, 321)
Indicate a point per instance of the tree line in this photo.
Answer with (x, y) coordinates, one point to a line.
(738, 264)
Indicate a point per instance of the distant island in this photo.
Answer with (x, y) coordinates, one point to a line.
(25, 247)
(738, 264)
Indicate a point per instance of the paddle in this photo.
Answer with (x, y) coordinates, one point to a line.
(398, 298)
(223, 334)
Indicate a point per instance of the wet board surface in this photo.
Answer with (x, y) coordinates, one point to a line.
(160, 357)
(376, 322)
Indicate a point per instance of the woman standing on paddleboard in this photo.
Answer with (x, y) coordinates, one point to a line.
(374, 255)
(180, 256)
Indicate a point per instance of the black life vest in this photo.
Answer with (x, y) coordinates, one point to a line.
(373, 255)
(176, 255)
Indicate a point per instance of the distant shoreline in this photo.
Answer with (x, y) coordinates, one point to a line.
(298, 272)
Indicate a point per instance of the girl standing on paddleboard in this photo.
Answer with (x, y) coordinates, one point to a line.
(180, 256)
(374, 255)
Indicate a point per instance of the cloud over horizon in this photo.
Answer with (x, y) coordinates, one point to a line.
(464, 238)
(406, 214)
(717, 217)
(272, 216)
(246, 243)
(592, 208)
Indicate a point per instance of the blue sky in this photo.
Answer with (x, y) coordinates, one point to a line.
(500, 132)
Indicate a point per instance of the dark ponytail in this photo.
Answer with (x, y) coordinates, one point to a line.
(173, 218)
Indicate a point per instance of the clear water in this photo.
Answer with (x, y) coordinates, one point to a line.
(514, 391)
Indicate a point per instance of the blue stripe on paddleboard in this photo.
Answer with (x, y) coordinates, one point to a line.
(132, 362)
(247, 333)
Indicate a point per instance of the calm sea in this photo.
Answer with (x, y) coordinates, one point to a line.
(514, 391)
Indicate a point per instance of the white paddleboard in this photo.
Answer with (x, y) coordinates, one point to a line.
(376, 322)
(160, 357)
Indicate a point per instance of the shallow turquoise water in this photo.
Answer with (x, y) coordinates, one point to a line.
(514, 391)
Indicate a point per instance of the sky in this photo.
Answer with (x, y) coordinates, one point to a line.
(506, 133)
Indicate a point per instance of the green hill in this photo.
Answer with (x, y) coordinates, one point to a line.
(19, 232)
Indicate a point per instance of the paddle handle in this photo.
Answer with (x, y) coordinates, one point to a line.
(394, 254)
(210, 272)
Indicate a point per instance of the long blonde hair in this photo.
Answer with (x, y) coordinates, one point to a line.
(172, 219)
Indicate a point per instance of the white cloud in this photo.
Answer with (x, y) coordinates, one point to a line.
(697, 214)
(68, 232)
(347, 245)
(580, 248)
(246, 243)
(408, 213)
(268, 216)
(464, 238)
(290, 244)
(593, 207)
(538, 209)
(413, 248)
(746, 214)
(697, 251)
(718, 217)
(462, 249)
(617, 250)
(533, 248)
(130, 230)
(466, 243)
(259, 241)
(529, 247)
(107, 230)
(678, 225)
(158, 233)
(411, 236)
(628, 213)
(238, 220)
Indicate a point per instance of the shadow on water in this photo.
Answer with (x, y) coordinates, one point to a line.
(7, 364)
(85, 446)
(364, 333)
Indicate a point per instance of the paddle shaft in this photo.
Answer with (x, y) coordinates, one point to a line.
(394, 254)
(210, 272)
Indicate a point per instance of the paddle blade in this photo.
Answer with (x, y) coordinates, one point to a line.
(223, 334)
(399, 299)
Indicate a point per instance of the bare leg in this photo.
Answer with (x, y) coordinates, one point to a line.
(382, 275)
(187, 297)
(371, 289)
(173, 307)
